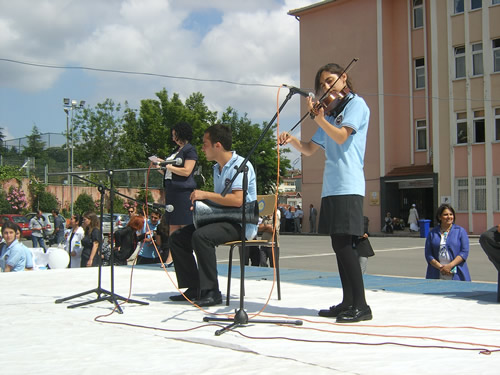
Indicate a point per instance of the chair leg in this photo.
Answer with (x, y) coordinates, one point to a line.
(277, 266)
(230, 267)
(498, 290)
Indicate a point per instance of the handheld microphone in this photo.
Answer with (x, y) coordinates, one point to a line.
(177, 161)
(296, 90)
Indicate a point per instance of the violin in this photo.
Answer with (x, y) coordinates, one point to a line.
(330, 102)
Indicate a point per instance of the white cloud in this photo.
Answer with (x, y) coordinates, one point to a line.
(255, 42)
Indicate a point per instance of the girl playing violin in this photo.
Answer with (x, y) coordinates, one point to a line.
(342, 136)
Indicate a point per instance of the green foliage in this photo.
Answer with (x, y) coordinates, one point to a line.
(8, 172)
(4, 204)
(118, 207)
(96, 133)
(35, 147)
(45, 201)
(84, 203)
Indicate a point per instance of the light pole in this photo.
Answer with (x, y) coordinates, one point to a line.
(71, 105)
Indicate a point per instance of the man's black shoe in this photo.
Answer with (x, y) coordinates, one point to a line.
(191, 293)
(210, 298)
(354, 315)
(333, 311)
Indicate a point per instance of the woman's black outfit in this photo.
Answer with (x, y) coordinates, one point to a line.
(88, 243)
(126, 241)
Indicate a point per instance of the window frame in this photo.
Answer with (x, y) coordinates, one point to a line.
(477, 59)
(462, 194)
(474, 7)
(479, 121)
(479, 194)
(460, 58)
(497, 123)
(457, 4)
(495, 45)
(461, 119)
(418, 14)
(419, 128)
(419, 73)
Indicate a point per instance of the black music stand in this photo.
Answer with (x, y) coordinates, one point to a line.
(103, 294)
(241, 317)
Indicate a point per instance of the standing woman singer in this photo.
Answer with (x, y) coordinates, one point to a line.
(179, 181)
(342, 135)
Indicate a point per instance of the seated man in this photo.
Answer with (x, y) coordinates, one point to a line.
(490, 242)
(201, 277)
(266, 227)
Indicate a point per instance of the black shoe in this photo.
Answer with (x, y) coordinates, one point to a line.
(354, 315)
(333, 311)
(210, 298)
(191, 293)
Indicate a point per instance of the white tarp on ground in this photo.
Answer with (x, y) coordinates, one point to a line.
(38, 336)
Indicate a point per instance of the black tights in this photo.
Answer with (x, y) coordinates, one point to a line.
(350, 271)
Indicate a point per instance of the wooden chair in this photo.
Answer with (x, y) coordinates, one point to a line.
(234, 244)
(266, 207)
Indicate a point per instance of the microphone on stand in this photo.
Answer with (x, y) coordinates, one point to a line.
(158, 206)
(177, 161)
(296, 90)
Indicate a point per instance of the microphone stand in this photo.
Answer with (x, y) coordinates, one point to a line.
(102, 294)
(241, 317)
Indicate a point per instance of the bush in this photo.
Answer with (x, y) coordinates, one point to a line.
(84, 203)
(4, 204)
(45, 201)
(141, 197)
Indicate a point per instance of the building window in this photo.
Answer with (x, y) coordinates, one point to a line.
(461, 128)
(462, 190)
(493, 2)
(479, 131)
(497, 123)
(477, 59)
(496, 53)
(476, 4)
(421, 137)
(480, 194)
(418, 14)
(458, 6)
(460, 62)
(419, 73)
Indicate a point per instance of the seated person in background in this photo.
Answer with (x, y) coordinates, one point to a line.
(490, 242)
(363, 247)
(126, 240)
(447, 248)
(388, 228)
(13, 256)
(266, 227)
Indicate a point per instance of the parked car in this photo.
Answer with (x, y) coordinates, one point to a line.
(119, 221)
(48, 221)
(20, 220)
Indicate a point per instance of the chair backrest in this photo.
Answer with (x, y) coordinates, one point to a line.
(266, 204)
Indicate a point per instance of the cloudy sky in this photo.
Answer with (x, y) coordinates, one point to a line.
(247, 42)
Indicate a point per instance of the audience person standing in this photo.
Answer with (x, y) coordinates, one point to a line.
(266, 227)
(313, 215)
(37, 226)
(413, 218)
(74, 241)
(447, 248)
(148, 253)
(92, 241)
(58, 227)
(297, 219)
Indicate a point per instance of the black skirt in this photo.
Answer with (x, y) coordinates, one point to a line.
(180, 200)
(341, 214)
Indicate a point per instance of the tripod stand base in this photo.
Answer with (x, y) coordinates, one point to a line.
(108, 296)
(241, 319)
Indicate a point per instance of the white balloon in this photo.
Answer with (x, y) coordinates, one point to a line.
(58, 258)
(40, 258)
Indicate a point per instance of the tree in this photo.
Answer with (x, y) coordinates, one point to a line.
(264, 159)
(84, 203)
(96, 133)
(36, 146)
